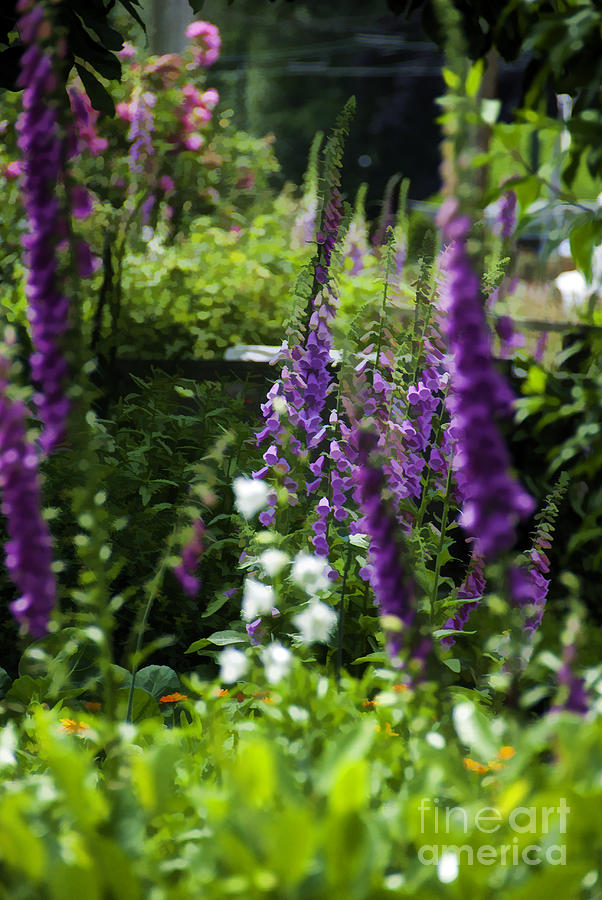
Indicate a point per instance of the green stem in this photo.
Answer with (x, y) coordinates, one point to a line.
(341, 620)
(152, 595)
(444, 517)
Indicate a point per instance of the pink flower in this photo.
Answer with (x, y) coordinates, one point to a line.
(193, 141)
(124, 112)
(210, 98)
(13, 170)
(206, 38)
(166, 66)
(128, 51)
(166, 183)
(192, 94)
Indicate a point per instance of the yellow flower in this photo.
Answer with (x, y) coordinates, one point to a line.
(506, 753)
(70, 726)
(474, 766)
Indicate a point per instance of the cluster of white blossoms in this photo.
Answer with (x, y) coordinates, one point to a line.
(310, 573)
(317, 620)
(277, 662)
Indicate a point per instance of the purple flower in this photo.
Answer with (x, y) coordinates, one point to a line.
(83, 136)
(393, 588)
(191, 555)
(542, 343)
(472, 588)
(29, 550)
(573, 693)
(142, 124)
(255, 631)
(506, 218)
(529, 591)
(42, 148)
(492, 500)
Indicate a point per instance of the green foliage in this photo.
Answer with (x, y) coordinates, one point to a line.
(219, 287)
(301, 791)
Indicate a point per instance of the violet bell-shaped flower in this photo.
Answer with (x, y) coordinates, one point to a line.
(41, 144)
(191, 554)
(29, 548)
(392, 587)
(492, 500)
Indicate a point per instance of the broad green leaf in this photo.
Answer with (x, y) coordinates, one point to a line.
(158, 681)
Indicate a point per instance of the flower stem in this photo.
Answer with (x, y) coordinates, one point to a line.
(341, 621)
(154, 587)
(444, 517)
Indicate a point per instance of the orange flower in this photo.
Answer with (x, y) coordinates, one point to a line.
(93, 705)
(223, 692)
(173, 698)
(400, 688)
(506, 753)
(388, 730)
(265, 696)
(474, 766)
(370, 703)
(70, 726)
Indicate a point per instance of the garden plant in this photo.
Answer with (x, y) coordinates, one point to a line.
(333, 633)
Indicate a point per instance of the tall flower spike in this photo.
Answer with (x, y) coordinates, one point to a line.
(528, 584)
(191, 554)
(493, 501)
(29, 549)
(472, 588)
(392, 586)
(42, 147)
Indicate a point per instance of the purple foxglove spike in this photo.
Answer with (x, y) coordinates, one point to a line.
(29, 549)
(492, 500)
(392, 587)
(191, 555)
(471, 588)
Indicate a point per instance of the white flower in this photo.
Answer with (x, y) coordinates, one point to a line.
(233, 665)
(573, 290)
(258, 599)
(309, 573)
(277, 661)
(316, 622)
(448, 868)
(250, 495)
(273, 561)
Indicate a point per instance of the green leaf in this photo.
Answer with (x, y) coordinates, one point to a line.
(25, 689)
(129, 5)
(378, 657)
(69, 652)
(222, 638)
(474, 730)
(475, 75)
(454, 664)
(197, 645)
(215, 605)
(144, 705)
(158, 681)
(583, 238)
(5, 682)
(100, 98)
